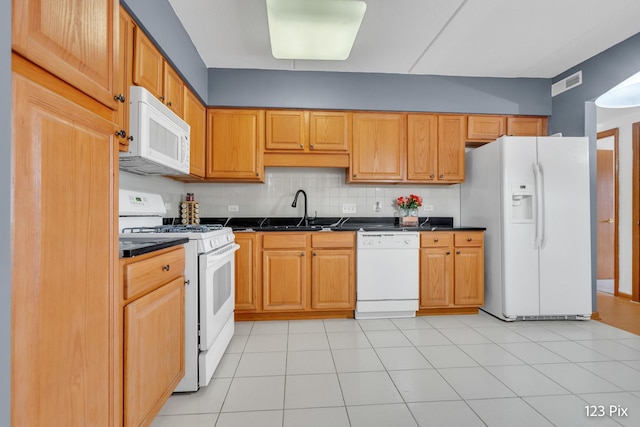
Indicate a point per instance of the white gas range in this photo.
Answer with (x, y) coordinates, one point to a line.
(210, 276)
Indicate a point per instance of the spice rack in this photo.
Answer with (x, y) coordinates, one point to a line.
(190, 211)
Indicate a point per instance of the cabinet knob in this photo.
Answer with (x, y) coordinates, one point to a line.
(311, 146)
(441, 176)
(169, 104)
(458, 252)
(355, 175)
(166, 267)
(314, 254)
(121, 133)
(448, 253)
(119, 97)
(257, 174)
(432, 176)
(469, 239)
(301, 145)
(302, 254)
(161, 98)
(436, 240)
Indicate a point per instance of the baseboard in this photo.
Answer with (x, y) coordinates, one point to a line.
(446, 310)
(309, 315)
(624, 295)
(595, 316)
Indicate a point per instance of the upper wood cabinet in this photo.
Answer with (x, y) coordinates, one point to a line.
(195, 114)
(124, 78)
(75, 41)
(154, 73)
(378, 147)
(435, 148)
(235, 144)
(64, 299)
(526, 126)
(307, 131)
(485, 128)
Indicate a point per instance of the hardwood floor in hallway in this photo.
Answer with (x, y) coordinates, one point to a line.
(619, 312)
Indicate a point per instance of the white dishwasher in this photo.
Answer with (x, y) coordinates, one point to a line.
(387, 275)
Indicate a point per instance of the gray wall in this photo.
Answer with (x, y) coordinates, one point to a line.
(360, 91)
(5, 213)
(160, 22)
(599, 74)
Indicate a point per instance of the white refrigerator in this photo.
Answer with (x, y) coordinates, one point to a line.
(532, 195)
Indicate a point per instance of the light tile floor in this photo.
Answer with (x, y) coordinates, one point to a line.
(429, 371)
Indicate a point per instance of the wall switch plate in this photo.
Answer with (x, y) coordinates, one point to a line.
(167, 206)
(428, 208)
(233, 208)
(348, 208)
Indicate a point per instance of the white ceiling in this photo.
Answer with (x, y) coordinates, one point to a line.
(491, 38)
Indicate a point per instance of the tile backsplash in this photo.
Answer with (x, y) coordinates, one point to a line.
(325, 187)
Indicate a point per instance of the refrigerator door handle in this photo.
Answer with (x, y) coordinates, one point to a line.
(540, 190)
(536, 174)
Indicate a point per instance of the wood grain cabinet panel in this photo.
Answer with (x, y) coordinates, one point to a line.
(485, 128)
(124, 77)
(148, 64)
(469, 276)
(378, 147)
(145, 275)
(451, 143)
(235, 144)
(154, 351)
(63, 282)
(284, 279)
(422, 147)
(73, 40)
(245, 275)
(195, 114)
(436, 276)
(329, 131)
(173, 90)
(526, 126)
(333, 279)
(287, 130)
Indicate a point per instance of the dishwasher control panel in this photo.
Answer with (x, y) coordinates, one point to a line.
(388, 240)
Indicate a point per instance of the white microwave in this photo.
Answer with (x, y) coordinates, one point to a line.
(159, 139)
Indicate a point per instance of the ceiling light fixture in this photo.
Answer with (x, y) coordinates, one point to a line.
(624, 95)
(314, 29)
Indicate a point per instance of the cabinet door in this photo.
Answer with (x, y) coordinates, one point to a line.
(378, 147)
(485, 128)
(451, 135)
(436, 277)
(286, 130)
(284, 283)
(154, 351)
(173, 91)
(76, 41)
(328, 131)
(469, 276)
(195, 115)
(245, 291)
(333, 279)
(422, 147)
(62, 277)
(124, 77)
(526, 126)
(235, 141)
(147, 64)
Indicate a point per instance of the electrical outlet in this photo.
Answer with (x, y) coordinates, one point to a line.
(233, 208)
(428, 208)
(377, 207)
(348, 208)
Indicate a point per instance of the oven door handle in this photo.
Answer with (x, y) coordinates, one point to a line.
(218, 254)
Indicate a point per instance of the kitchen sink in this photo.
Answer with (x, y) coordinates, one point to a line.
(291, 228)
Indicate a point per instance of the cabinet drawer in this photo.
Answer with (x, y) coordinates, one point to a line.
(332, 240)
(284, 240)
(472, 238)
(145, 275)
(434, 240)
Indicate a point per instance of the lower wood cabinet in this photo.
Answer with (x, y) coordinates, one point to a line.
(451, 270)
(297, 275)
(153, 332)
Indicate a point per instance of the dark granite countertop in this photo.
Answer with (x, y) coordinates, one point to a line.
(130, 247)
(248, 224)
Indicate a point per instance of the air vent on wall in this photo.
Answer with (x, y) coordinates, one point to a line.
(567, 83)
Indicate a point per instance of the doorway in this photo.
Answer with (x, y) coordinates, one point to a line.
(635, 252)
(607, 211)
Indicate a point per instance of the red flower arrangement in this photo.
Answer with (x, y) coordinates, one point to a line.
(411, 202)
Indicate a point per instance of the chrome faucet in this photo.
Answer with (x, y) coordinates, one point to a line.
(295, 203)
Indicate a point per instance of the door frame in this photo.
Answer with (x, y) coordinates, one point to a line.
(616, 262)
(635, 252)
